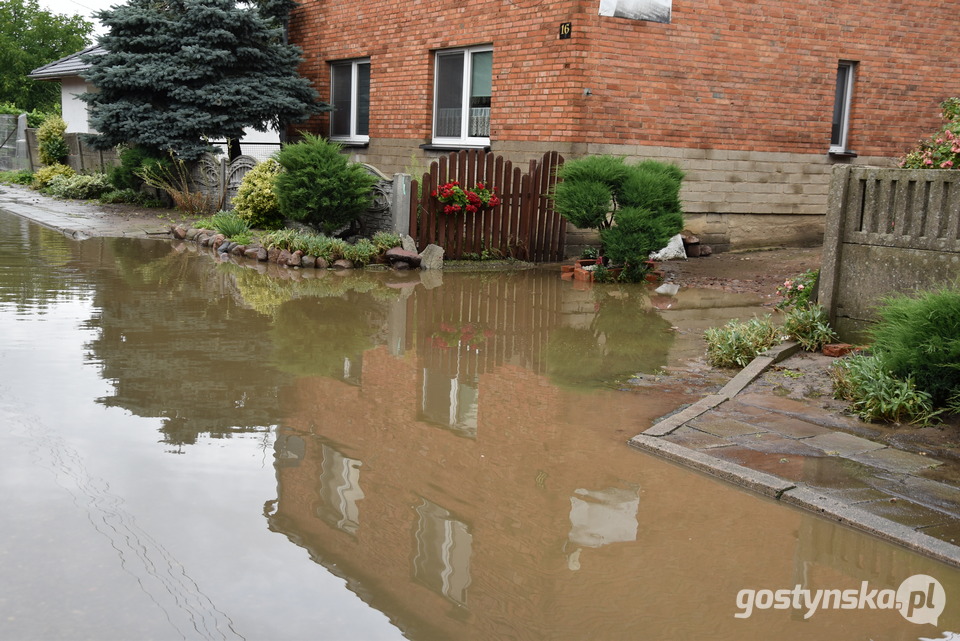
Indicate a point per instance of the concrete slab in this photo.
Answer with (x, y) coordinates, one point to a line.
(906, 512)
(841, 444)
(675, 421)
(896, 461)
(719, 426)
(695, 439)
(784, 425)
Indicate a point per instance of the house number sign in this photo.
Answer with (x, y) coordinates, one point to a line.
(566, 28)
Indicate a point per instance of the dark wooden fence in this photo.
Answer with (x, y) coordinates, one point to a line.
(523, 226)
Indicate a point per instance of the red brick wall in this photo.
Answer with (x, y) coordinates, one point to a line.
(753, 76)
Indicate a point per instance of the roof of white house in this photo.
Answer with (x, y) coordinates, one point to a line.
(67, 66)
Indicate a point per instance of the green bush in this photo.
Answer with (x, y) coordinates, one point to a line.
(918, 337)
(52, 146)
(385, 240)
(256, 201)
(43, 176)
(320, 187)
(636, 208)
(230, 225)
(17, 177)
(78, 186)
(876, 395)
(809, 326)
(133, 160)
(942, 149)
(737, 343)
(35, 117)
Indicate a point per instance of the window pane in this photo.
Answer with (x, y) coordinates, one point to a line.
(363, 99)
(840, 105)
(481, 85)
(449, 95)
(341, 89)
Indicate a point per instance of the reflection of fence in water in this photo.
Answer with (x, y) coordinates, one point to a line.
(470, 326)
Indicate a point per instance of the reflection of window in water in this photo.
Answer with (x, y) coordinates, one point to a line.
(340, 491)
(289, 450)
(449, 402)
(601, 517)
(444, 546)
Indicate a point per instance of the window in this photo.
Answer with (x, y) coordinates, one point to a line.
(461, 109)
(350, 99)
(841, 107)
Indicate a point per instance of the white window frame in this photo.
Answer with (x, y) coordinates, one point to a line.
(352, 136)
(842, 100)
(464, 139)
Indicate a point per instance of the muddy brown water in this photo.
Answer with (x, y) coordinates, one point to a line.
(201, 451)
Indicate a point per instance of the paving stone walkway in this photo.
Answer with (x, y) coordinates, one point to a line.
(793, 452)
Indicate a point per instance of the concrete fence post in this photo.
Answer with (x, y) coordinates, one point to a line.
(400, 204)
(833, 240)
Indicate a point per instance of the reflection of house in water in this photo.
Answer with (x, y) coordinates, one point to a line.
(517, 530)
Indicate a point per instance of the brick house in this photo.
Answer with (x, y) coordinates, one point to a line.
(755, 100)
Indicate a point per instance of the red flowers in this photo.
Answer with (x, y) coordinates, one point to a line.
(456, 199)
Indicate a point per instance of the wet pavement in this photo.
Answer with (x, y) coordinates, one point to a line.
(801, 451)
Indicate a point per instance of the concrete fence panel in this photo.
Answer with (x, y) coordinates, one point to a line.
(887, 231)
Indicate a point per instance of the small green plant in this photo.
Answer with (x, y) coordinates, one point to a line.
(877, 395)
(602, 274)
(319, 186)
(385, 240)
(809, 326)
(43, 176)
(256, 198)
(362, 252)
(16, 177)
(125, 175)
(796, 292)
(52, 146)
(589, 252)
(230, 224)
(737, 343)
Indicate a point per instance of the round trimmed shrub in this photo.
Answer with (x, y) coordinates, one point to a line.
(320, 187)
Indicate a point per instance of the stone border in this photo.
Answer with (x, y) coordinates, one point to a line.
(796, 494)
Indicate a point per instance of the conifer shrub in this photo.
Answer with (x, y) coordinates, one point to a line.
(52, 146)
(256, 200)
(133, 160)
(320, 187)
(636, 208)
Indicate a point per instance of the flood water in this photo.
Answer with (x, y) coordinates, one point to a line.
(193, 450)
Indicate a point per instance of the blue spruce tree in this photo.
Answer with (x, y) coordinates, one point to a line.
(178, 73)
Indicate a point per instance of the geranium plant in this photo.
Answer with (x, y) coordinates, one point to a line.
(457, 199)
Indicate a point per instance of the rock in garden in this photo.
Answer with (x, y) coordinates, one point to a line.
(263, 254)
(191, 234)
(294, 258)
(408, 243)
(273, 254)
(431, 257)
(218, 240)
(837, 350)
(308, 261)
(179, 232)
(225, 247)
(343, 263)
(238, 249)
(252, 252)
(396, 255)
(283, 258)
(322, 263)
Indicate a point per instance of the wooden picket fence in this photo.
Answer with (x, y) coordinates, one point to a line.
(523, 226)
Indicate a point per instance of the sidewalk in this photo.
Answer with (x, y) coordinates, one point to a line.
(796, 452)
(74, 218)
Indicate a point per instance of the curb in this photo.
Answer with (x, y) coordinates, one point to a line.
(791, 493)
